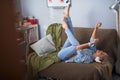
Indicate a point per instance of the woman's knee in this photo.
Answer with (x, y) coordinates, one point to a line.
(61, 56)
(66, 53)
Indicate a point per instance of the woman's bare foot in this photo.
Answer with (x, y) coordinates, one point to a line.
(64, 24)
(66, 11)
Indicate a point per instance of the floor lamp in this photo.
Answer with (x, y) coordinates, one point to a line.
(115, 8)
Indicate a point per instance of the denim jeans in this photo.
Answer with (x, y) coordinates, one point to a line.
(69, 47)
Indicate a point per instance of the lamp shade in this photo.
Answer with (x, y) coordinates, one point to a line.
(115, 6)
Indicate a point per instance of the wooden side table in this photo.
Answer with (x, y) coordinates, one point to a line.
(30, 35)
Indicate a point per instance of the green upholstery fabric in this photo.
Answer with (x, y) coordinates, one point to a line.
(36, 63)
(55, 30)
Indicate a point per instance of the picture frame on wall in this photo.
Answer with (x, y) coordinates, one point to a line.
(58, 3)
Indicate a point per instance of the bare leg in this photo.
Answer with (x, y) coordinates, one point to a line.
(67, 18)
(64, 24)
(73, 41)
(67, 10)
(71, 49)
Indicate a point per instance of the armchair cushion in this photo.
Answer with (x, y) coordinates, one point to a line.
(44, 45)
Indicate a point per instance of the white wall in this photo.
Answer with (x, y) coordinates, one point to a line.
(84, 13)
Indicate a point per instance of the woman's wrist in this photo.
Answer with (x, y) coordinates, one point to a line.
(90, 43)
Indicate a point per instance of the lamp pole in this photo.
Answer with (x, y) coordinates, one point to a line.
(117, 20)
(118, 16)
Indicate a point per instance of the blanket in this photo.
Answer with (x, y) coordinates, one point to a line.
(36, 63)
(55, 30)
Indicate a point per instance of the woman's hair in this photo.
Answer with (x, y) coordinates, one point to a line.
(102, 59)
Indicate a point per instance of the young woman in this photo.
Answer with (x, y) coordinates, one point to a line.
(87, 52)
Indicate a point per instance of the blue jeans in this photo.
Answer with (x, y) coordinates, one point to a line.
(69, 47)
